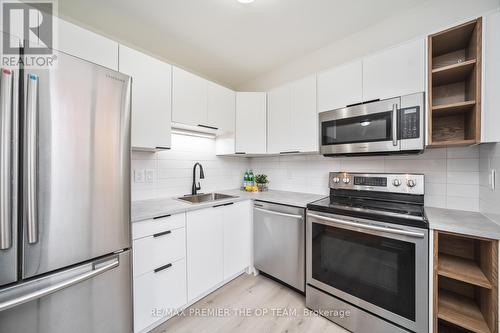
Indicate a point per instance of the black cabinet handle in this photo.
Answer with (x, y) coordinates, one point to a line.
(162, 216)
(162, 233)
(210, 127)
(159, 269)
(162, 148)
(240, 153)
(289, 152)
(226, 204)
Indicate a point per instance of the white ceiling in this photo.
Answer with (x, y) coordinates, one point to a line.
(224, 40)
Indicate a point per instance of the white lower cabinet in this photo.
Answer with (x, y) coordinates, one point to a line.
(237, 237)
(159, 251)
(218, 245)
(159, 294)
(180, 258)
(205, 267)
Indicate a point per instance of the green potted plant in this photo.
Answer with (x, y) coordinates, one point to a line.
(261, 181)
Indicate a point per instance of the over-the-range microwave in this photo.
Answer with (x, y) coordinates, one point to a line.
(390, 126)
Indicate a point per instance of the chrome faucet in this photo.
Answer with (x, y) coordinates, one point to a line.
(196, 188)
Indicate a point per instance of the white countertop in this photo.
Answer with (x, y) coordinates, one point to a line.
(462, 222)
(147, 209)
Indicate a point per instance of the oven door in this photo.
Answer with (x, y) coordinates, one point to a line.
(366, 128)
(375, 266)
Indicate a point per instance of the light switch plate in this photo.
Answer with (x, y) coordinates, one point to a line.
(139, 176)
(150, 175)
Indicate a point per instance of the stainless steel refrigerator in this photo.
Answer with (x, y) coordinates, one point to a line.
(65, 199)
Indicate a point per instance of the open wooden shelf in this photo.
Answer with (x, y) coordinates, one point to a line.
(453, 73)
(461, 311)
(465, 280)
(452, 107)
(455, 60)
(458, 143)
(463, 270)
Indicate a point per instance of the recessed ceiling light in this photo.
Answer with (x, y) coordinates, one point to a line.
(246, 1)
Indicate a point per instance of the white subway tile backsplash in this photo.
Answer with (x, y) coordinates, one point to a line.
(173, 169)
(452, 172)
(469, 178)
(461, 203)
(489, 199)
(463, 164)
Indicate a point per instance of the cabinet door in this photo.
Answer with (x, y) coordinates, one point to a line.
(87, 45)
(340, 86)
(159, 294)
(251, 122)
(205, 246)
(151, 98)
(304, 118)
(189, 98)
(221, 108)
(395, 72)
(278, 120)
(491, 79)
(237, 237)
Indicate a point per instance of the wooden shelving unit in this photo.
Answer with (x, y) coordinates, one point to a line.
(455, 85)
(465, 284)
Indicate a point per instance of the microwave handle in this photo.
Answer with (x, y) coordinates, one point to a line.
(395, 125)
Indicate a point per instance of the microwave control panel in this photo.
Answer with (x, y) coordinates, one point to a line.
(409, 122)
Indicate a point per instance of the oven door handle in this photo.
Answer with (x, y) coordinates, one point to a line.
(367, 226)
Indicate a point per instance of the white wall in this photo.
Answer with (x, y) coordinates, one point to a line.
(173, 169)
(489, 200)
(451, 174)
(418, 21)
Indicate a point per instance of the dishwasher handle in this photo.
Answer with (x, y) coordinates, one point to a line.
(297, 217)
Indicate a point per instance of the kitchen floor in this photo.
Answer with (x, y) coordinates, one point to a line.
(242, 304)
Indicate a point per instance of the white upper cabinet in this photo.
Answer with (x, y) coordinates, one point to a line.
(395, 72)
(292, 118)
(189, 98)
(251, 110)
(151, 99)
(87, 45)
(340, 86)
(279, 119)
(490, 118)
(304, 118)
(221, 108)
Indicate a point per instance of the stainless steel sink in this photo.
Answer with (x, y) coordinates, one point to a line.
(200, 198)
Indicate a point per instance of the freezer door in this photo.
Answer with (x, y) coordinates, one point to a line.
(8, 174)
(95, 297)
(76, 164)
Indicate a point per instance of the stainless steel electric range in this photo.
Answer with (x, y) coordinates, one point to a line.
(367, 253)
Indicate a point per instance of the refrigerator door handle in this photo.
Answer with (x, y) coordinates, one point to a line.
(5, 159)
(31, 158)
(97, 269)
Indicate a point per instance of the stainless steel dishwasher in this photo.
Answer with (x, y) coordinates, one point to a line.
(279, 237)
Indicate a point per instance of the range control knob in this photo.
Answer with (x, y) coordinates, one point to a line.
(346, 180)
(396, 182)
(411, 183)
(336, 180)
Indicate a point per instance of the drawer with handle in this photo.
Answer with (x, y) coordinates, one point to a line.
(158, 224)
(159, 249)
(159, 293)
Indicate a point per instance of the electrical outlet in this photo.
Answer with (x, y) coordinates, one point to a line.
(150, 175)
(139, 176)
